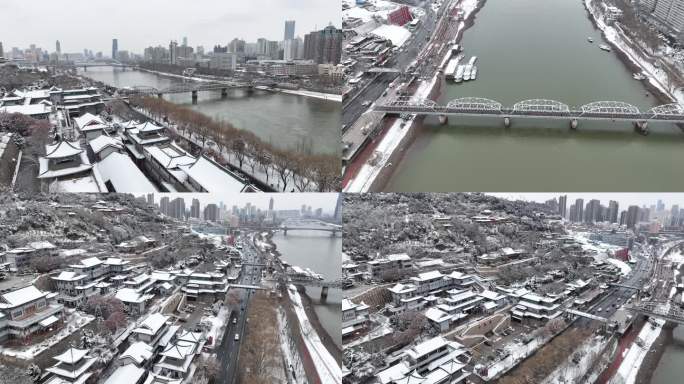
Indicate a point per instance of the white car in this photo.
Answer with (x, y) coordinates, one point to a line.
(237, 337)
(235, 320)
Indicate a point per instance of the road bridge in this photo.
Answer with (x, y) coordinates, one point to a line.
(535, 108)
(586, 314)
(193, 87)
(312, 282)
(659, 309)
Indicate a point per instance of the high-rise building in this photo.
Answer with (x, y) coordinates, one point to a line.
(115, 49)
(562, 205)
(150, 198)
(211, 212)
(290, 49)
(661, 206)
(667, 15)
(674, 215)
(2, 51)
(173, 52)
(237, 46)
(338, 207)
(58, 48)
(185, 41)
(289, 30)
(164, 205)
(593, 211)
(177, 208)
(324, 46)
(195, 209)
(579, 210)
(632, 216)
(613, 209)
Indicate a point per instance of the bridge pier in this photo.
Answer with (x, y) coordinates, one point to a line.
(507, 122)
(443, 119)
(641, 127)
(224, 93)
(573, 124)
(324, 294)
(194, 97)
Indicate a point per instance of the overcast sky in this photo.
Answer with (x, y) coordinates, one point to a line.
(623, 199)
(92, 24)
(327, 201)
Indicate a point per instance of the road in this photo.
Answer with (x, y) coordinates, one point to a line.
(375, 85)
(228, 351)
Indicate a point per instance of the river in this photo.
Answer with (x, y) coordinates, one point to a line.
(670, 368)
(321, 253)
(287, 121)
(538, 49)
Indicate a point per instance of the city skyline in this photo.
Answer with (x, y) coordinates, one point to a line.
(282, 201)
(624, 199)
(214, 23)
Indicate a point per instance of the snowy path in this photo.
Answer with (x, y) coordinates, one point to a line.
(326, 365)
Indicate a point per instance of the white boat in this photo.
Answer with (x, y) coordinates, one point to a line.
(466, 72)
(472, 60)
(458, 77)
(604, 47)
(473, 73)
(639, 76)
(589, 39)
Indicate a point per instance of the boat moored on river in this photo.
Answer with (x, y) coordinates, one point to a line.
(605, 47)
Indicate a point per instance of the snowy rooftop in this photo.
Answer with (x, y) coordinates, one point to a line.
(138, 351)
(427, 347)
(398, 257)
(22, 296)
(213, 178)
(27, 109)
(152, 324)
(396, 34)
(428, 276)
(170, 156)
(149, 127)
(104, 141)
(130, 295)
(62, 149)
(123, 174)
(72, 355)
(69, 276)
(88, 119)
(126, 374)
(87, 262)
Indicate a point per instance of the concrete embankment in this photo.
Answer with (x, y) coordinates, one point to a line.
(325, 337)
(380, 182)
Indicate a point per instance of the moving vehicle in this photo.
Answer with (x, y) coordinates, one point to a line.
(237, 337)
(235, 320)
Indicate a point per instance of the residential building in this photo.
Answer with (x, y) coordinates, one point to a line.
(26, 311)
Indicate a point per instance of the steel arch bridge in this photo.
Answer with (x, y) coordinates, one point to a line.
(188, 87)
(474, 104)
(535, 108)
(610, 107)
(540, 105)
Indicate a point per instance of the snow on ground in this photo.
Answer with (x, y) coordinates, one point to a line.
(313, 94)
(273, 179)
(675, 257)
(629, 367)
(590, 245)
(656, 76)
(625, 269)
(75, 321)
(218, 323)
(396, 133)
(517, 353)
(292, 360)
(325, 363)
(396, 34)
(571, 372)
